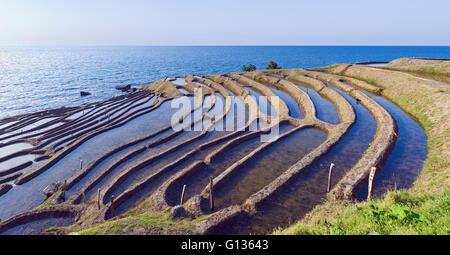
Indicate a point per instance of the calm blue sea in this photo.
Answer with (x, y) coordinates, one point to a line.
(39, 78)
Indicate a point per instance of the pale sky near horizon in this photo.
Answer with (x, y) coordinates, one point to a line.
(231, 22)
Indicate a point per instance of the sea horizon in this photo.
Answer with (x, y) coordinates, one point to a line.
(30, 75)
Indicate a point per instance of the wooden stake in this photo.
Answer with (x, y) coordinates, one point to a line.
(84, 196)
(63, 189)
(330, 173)
(211, 198)
(112, 205)
(81, 164)
(98, 199)
(182, 195)
(371, 176)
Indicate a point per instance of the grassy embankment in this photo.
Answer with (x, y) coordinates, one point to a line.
(432, 69)
(144, 220)
(141, 220)
(423, 209)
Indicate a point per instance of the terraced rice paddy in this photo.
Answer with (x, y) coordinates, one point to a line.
(265, 139)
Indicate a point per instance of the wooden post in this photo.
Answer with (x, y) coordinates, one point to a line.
(98, 199)
(182, 195)
(371, 176)
(330, 173)
(84, 196)
(63, 189)
(211, 198)
(112, 205)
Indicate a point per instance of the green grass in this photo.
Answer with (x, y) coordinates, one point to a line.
(370, 81)
(400, 212)
(143, 216)
(432, 70)
(329, 68)
(150, 220)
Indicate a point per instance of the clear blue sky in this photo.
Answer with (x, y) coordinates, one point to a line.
(230, 22)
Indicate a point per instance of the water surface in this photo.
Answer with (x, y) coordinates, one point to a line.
(30, 76)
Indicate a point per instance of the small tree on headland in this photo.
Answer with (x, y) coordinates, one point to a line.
(249, 68)
(273, 65)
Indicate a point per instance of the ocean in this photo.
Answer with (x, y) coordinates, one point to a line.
(40, 78)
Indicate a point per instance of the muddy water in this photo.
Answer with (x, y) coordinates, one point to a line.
(108, 162)
(34, 132)
(197, 182)
(29, 195)
(267, 166)
(264, 105)
(406, 160)
(79, 114)
(8, 124)
(197, 115)
(38, 226)
(218, 108)
(143, 194)
(160, 163)
(182, 138)
(306, 190)
(16, 161)
(236, 118)
(91, 193)
(149, 189)
(28, 127)
(218, 131)
(146, 192)
(176, 142)
(179, 81)
(183, 91)
(10, 149)
(326, 111)
(294, 109)
(102, 119)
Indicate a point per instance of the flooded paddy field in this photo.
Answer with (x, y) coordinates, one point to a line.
(264, 140)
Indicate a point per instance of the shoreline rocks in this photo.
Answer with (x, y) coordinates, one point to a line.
(51, 189)
(124, 87)
(85, 93)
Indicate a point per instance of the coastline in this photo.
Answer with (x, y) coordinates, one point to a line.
(422, 99)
